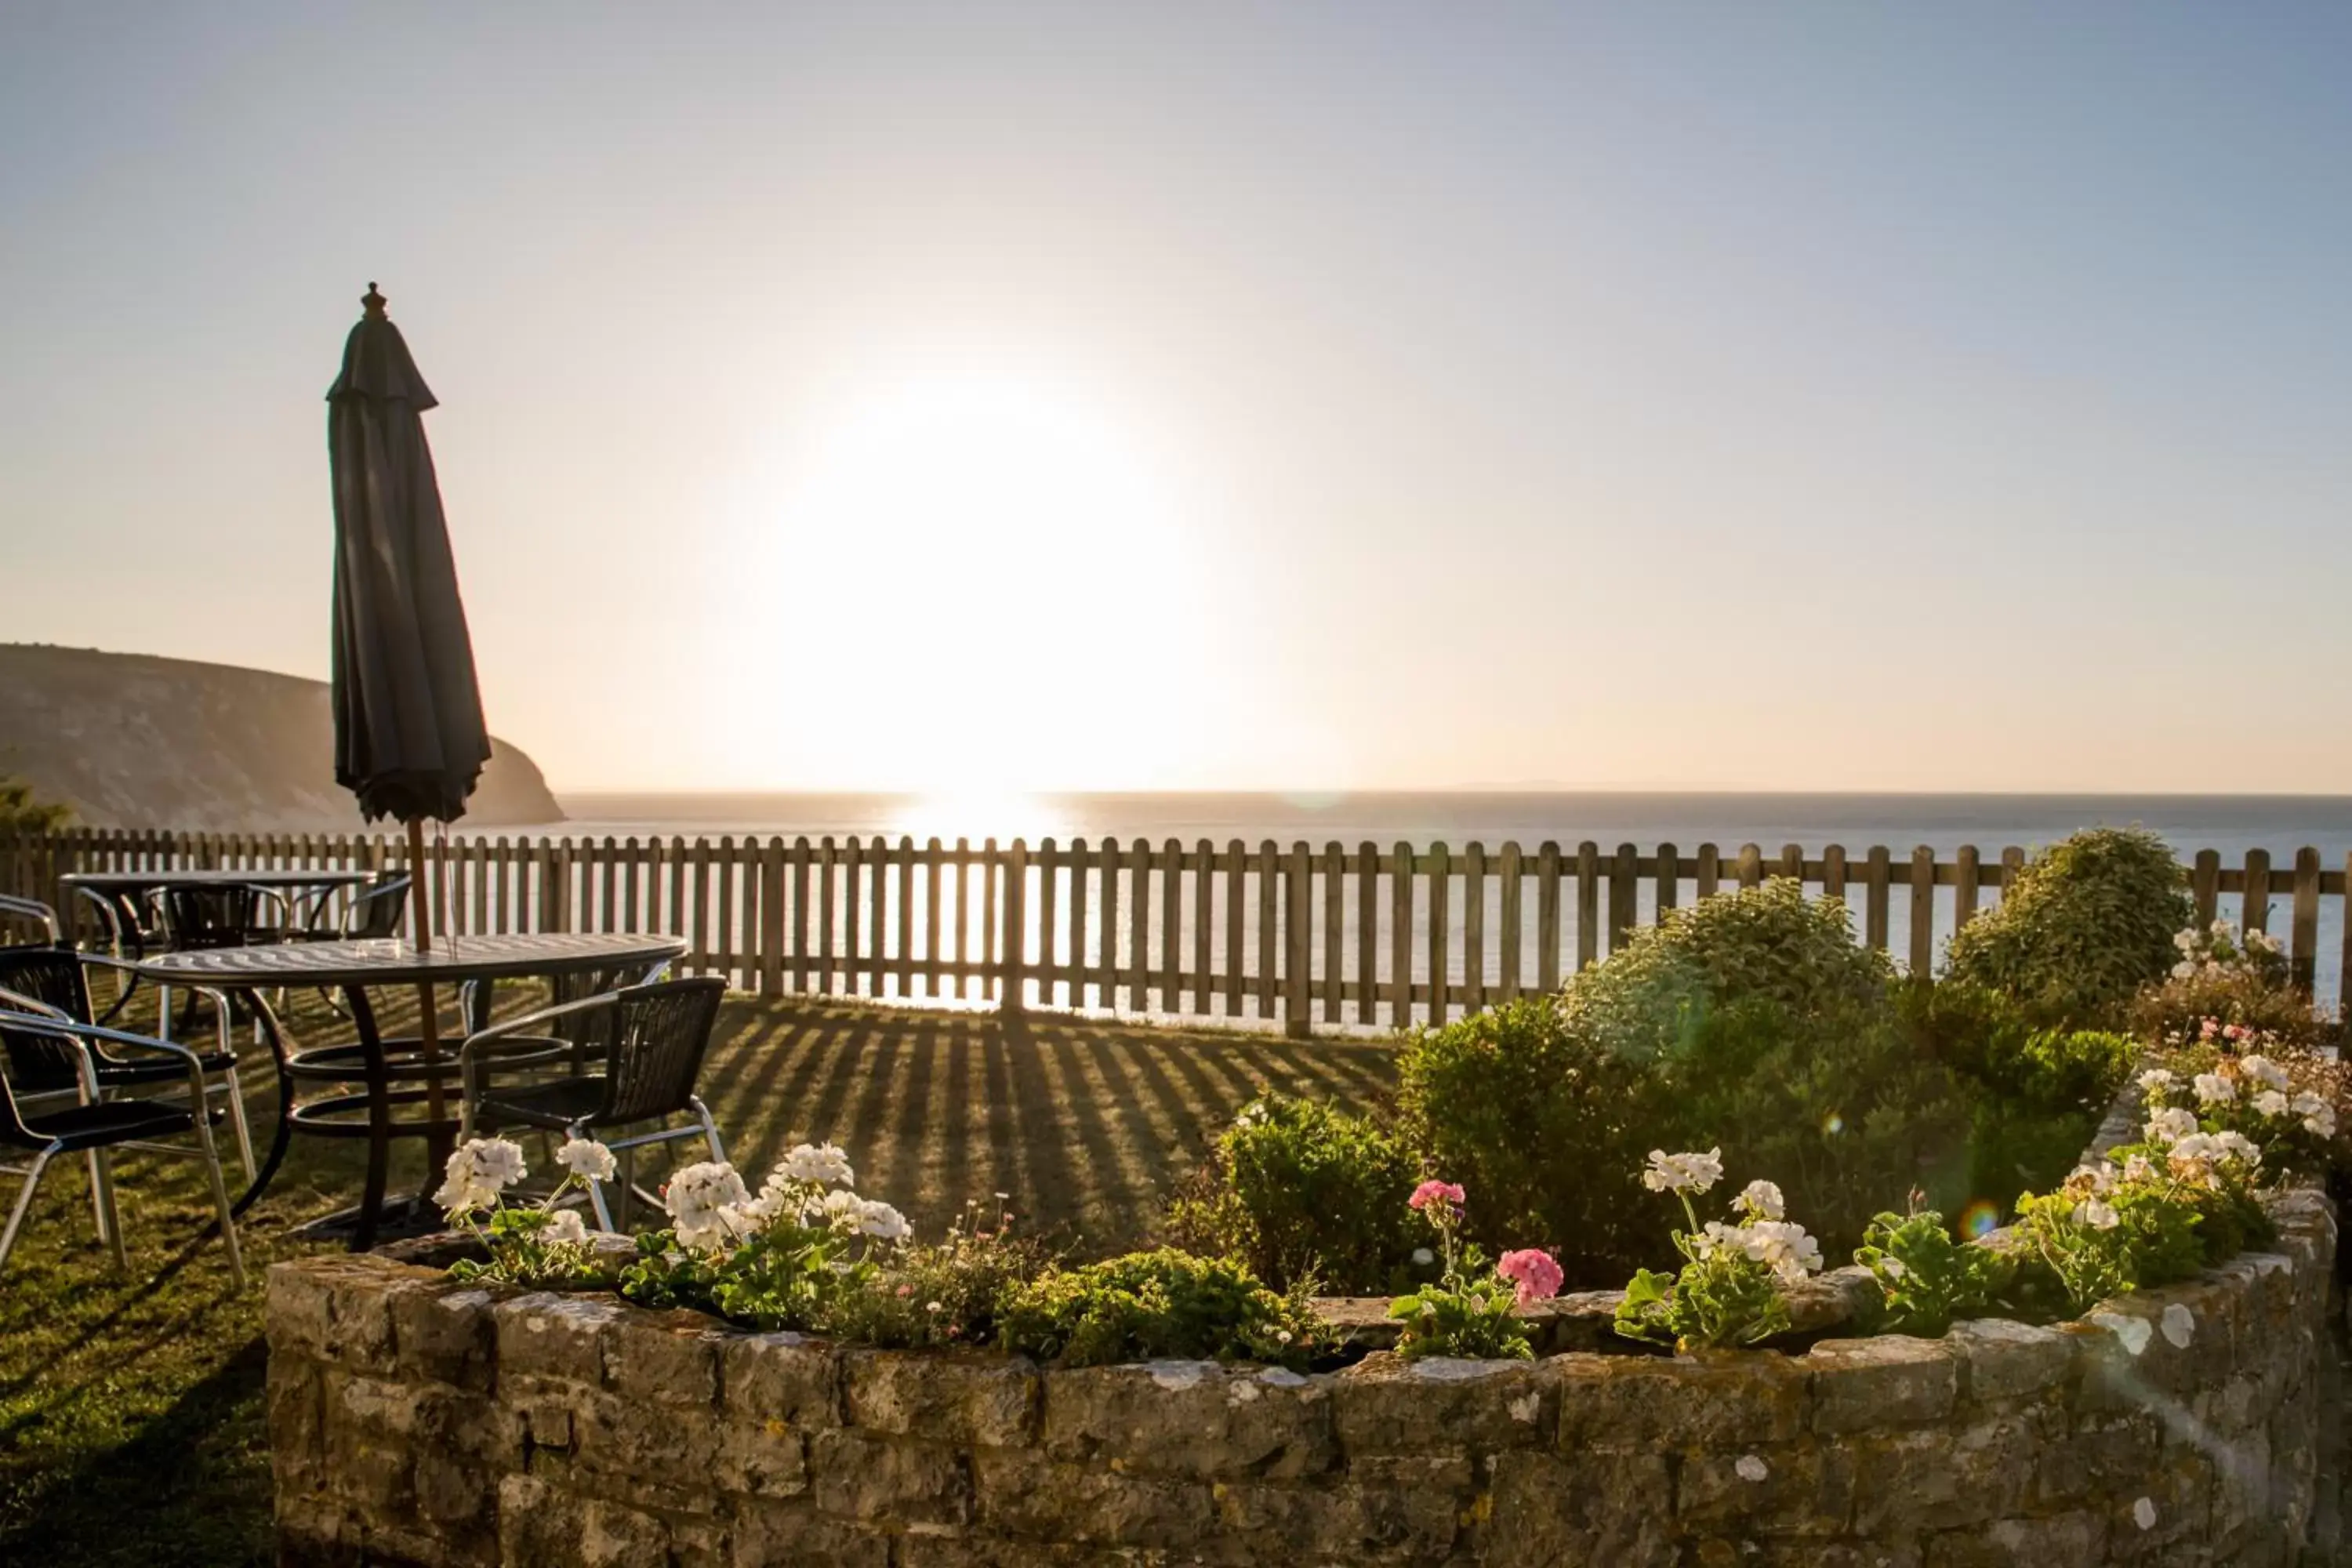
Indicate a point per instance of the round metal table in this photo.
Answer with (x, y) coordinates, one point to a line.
(355, 968)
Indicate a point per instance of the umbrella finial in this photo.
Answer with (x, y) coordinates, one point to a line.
(373, 301)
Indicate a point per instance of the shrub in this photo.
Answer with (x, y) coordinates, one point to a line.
(1545, 1129)
(1299, 1191)
(2240, 982)
(1838, 1108)
(1150, 1306)
(1768, 942)
(933, 1296)
(2037, 1095)
(2085, 926)
(1927, 1278)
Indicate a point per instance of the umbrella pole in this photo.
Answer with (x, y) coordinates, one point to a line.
(429, 1026)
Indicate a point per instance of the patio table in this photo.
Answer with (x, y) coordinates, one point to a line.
(385, 1079)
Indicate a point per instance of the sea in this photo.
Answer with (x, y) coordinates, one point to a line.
(2231, 825)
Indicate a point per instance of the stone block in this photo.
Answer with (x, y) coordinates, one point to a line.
(539, 1524)
(1020, 1492)
(796, 1535)
(764, 1458)
(1387, 1508)
(1386, 1405)
(615, 1438)
(1799, 1489)
(968, 1398)
(780, 1377)
(1714, 1400)
(1592, 1507)
(663, 1358)
(295, 1403)
(444, 1333)
(546, 1335)
(2002, 1360)
(1873, 1384)
(1930, 1478)
(2046, 1542)
(2110, 1451)
(1194, 1418)
(889, 1481)
(336, 1309)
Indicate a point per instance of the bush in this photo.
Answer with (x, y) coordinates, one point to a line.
(935, 1296)
(2081, 931)
(1150, 1306)
(1838, 1107)
(1299, 1191)
(2037, 1095)
(2244, 981)
(1768, 942)
(1544, 1128)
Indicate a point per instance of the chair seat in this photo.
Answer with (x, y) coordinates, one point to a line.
(555, 1105)
(82, 1127)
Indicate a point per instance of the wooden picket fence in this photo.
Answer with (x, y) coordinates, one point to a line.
(1364, 937)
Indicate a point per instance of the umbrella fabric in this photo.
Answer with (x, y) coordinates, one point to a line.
(409, 738)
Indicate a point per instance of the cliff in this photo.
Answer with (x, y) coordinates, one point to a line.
(132, 740)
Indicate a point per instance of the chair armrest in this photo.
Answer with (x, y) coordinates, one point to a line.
(49, 1022)
(33, 909)
(543, 1016)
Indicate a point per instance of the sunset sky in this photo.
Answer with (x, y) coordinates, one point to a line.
(1222, 395)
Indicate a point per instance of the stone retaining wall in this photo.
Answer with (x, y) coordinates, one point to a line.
(416, 1421)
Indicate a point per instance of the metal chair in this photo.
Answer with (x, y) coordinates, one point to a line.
(651, 1040)
(374, 914)
(54, 983)
(95, 1126)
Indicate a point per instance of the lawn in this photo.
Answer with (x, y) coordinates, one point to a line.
(130, 1425)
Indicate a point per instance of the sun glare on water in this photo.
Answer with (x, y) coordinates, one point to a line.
(967, 569)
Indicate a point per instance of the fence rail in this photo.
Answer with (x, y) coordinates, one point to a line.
(1367, 936)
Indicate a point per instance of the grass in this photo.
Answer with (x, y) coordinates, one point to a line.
(130, 1413)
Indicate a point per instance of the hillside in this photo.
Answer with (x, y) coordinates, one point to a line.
(132, 740)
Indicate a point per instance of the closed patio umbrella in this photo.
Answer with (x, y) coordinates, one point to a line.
(409, 737)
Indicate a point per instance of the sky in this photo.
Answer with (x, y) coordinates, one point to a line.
(1220, 396)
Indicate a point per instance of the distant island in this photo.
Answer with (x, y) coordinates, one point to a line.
(133, 741)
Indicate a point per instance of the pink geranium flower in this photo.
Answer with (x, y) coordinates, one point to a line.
(1535, 1273)
(1429, 1192)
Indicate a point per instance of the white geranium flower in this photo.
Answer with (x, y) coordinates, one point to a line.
(1683, 1172)
(2220, 929)
(708, 1203)
(2236, 1147)
(566, 1225)
(2137, 1170)
(2263, 1070)
(880, 1221)
(2094, 1179)
(2319, 1116)
(824, 1165)
(2212, 1088)
(842, 1209)
(2156, 1080)
(1784, 1248)
(2184, 969)
(477, 1172)
(1422, 1256)
(2186, 940)
(2271, 1102)
(2096, 1212)
(586, 1159)
(2170, 1126)
(1762, 1199)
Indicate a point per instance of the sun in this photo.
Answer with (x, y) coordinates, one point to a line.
(982, 573)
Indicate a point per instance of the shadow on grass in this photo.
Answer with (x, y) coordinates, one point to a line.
(192, 1488)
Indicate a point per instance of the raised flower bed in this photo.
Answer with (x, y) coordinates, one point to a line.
(421, 1420)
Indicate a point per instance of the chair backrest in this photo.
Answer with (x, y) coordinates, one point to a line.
(654, 1040)
(375, 913)
(40, 1062)
(16, 913)
(13, 1130)
(221, 915)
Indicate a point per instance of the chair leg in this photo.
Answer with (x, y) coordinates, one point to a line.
(24, 1203)
(220, 1196)
(97, 1201)
(114, 1223)
(596, 1187)
(236, 1120)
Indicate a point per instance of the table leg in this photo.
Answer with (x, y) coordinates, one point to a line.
(284, 1135)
